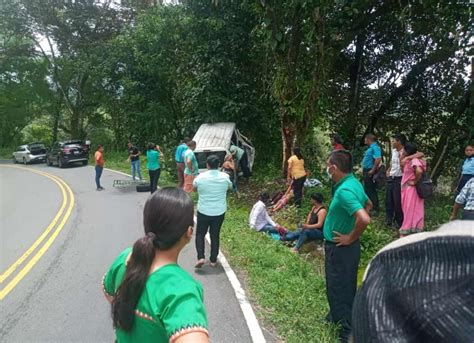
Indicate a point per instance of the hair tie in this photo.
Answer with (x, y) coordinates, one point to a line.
(150, 236)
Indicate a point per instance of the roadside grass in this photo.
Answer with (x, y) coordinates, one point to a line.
(6, 153)
(288, 290)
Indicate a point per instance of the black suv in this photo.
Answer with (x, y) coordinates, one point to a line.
(67, 152)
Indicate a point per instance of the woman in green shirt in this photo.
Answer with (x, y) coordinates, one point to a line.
(153, 156)
(152, 298)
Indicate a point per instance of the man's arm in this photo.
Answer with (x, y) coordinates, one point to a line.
(189, 163)
(404, 159)
(368, 206)
(456, 208)
(362, 220)
(376, 166)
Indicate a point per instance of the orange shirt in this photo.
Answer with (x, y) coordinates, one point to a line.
(99, 159)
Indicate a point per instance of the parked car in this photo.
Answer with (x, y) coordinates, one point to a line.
(216, 139)
(29, 153)
(68, 152)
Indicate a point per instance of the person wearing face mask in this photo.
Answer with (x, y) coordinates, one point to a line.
(347, 218)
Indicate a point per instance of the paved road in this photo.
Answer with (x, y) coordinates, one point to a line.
(60, 299)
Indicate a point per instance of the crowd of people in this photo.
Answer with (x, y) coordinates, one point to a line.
(151, 266)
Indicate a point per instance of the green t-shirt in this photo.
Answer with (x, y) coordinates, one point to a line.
(239, 152)
(170, 302)
(348, 198)
(189, 155)
(152, 159)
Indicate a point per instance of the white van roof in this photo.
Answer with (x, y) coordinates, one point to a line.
(212, 136)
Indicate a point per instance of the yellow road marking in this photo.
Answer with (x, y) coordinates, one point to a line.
(24, 271)
(40, 239)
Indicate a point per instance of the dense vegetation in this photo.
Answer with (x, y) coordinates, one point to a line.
(286, 71)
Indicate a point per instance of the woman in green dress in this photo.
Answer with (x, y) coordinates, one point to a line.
(152, 298)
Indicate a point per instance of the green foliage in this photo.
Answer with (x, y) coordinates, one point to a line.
(290, 296)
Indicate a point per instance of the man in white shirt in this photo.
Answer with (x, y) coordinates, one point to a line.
(259, 218)
(393, 203)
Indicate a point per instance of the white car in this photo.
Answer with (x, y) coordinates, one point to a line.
(34, 152)
(216, 139)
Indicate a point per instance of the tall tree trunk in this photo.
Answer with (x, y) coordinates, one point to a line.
(444, 139)
(355, 68)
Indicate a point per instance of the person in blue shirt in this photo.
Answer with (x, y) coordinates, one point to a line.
(212, 187)
(179, 158)
(467, 169)
(191, 167)
(370, 164)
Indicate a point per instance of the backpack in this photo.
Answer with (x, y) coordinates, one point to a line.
(380, 176)
(424, 186)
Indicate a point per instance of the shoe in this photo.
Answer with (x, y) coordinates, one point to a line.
(99, 189)
(199, 263)
(213, 264)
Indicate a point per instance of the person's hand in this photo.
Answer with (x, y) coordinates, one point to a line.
(411, 183)
(304, 226)
(371, 172)
(342, 239)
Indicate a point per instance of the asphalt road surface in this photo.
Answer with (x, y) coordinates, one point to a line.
(55, 295)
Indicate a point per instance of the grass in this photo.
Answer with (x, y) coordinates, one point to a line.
(288, 290)
(6, 153)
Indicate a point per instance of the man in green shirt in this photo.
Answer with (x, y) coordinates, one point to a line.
(347, 218)
(240, 155)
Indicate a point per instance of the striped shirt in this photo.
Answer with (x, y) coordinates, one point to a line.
(466, 197)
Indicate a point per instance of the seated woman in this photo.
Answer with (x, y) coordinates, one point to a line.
(228, 167)
(313, 228)
(284, 200)
(259, 218)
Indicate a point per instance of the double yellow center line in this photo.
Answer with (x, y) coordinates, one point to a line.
(20, 268)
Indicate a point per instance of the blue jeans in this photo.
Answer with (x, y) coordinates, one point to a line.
(98, 174)
(268, 228)
(304, 236)
(136, 169)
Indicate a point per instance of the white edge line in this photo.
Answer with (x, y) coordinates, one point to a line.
(247, 310)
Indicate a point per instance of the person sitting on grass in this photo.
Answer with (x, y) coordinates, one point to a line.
(313, 228)
(283, 200)
(259, 218)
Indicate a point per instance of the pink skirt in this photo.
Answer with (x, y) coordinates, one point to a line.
(413, 211)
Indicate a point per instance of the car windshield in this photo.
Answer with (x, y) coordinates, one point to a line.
(36, 146)
(72, 145)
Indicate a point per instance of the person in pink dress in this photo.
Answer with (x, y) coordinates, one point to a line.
(412, 205)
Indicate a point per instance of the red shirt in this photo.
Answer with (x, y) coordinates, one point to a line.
(99, 159)
(338, 146)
